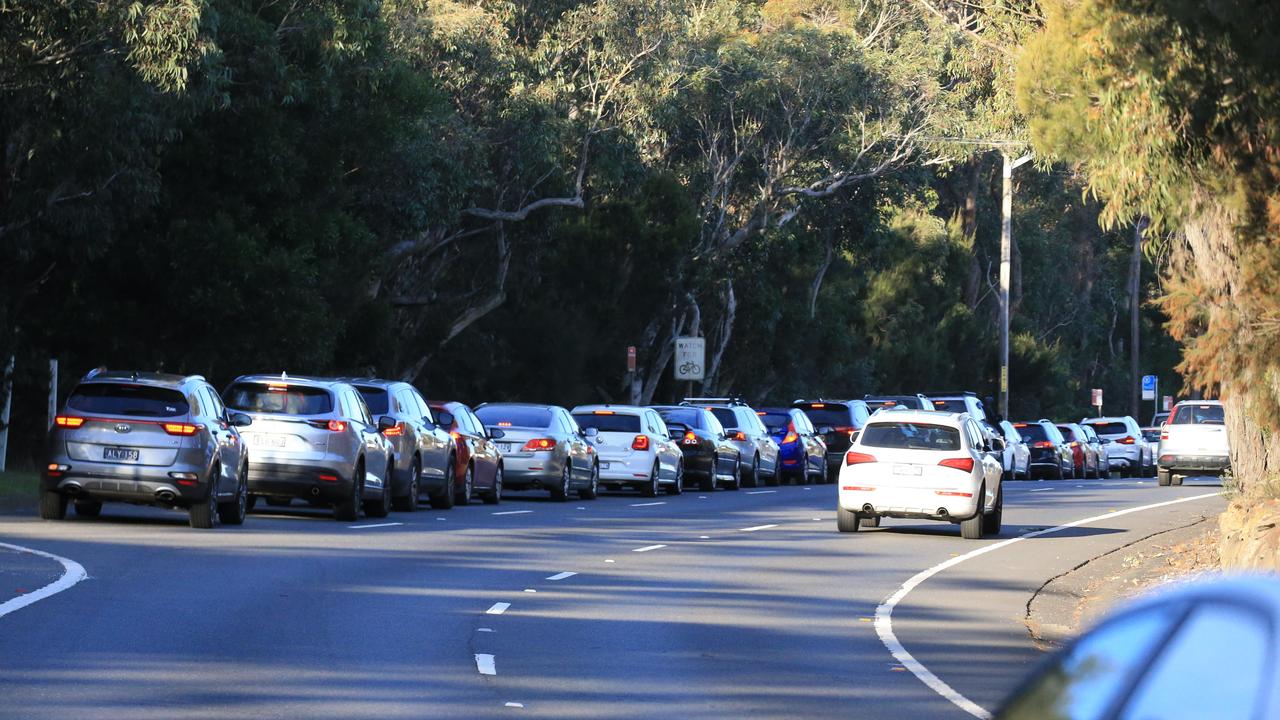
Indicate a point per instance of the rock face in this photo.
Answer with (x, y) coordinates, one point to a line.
(1251, 536)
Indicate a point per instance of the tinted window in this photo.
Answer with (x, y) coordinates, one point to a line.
(955, 405)
(215, 402)
(376, 398)
(609, 422)
(829, 415)
(1110, 428)
(1067, 432)
(279, 399)
(1197, 415)
(515, 416)
(911, 436)
(138, 400)
(1031, 432)
(725, 416)
(683, 416)
(775, 421)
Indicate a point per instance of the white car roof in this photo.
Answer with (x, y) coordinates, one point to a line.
(1196, 402)
(908, 415)
(615, 409)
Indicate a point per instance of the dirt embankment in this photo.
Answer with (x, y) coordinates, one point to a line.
(1250, 535)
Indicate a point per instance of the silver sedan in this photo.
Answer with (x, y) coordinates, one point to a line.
(543, 448)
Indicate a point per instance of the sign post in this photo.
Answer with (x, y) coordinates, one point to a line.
(633, 382)
(691, 357)
(1167, 404)
(1151, 391)
(1097, 400)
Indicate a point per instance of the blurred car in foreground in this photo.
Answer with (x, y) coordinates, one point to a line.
(921, 465)
(801, 450)
(756, 448)
(837, 421)
(1193, 442)
(146, 439)
(543, 448)
(1206, 649)
(477, 462)
(634, 447)
(423, 450)
(709, 456)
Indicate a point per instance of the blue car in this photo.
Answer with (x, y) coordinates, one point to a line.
(802, 452)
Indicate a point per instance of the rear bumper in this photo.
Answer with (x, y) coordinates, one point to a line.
(133, 487)
(911, 504)
(531, 471)
(634, 469)
(301, 481)
(697, 463)
(1191, 462)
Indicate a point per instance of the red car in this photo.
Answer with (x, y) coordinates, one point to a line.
(478, 467)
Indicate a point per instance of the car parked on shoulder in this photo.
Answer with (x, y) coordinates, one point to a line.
(1084, 458)
(1127, 450)
(709, 456)
(913, 402)
(1017, 454)
(635, 448)
(837, 421)
(756, 447)
(1051, 457)
(146, 439)
(802, 451)
(424, 452)
(922, 465)
(1100, 449)
(1194, 442)
(1159, 419)
(314, 439)
(477, 462)
(543, 448)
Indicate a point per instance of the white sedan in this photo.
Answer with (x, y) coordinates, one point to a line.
(635, 448)
(925, 466)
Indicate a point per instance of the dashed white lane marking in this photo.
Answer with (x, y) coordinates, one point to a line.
(761, 492)
(806, 488)
(485, 664)
(514, 705)
(884, 613)
(562, 576)
(514, 512)
(377, 525)
(497, 609)
(530, 590)
(649, 504)
(608, 560)
(758, 527)
(704, 537)
(484, 629)
(72, 573)
(1042, 490)
(647, 548)
(702, 497)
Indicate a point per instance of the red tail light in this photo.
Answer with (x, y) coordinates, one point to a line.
(791, 435)
(328, 478)
(540, 445)
(68, 422)
(640, 443)
(739, 435)
(1042, 444)
(1075, 443)
(690, 438)
(395, 431)
(331, 425)
(856, 458)
(1126, 440)
(965, 464)
(1164, 433)
(183, 429)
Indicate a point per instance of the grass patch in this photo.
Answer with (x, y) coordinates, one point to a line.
(18, 485)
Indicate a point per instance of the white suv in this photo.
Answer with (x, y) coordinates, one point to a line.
(922, 465)
(1193, 442)
(1127, 451)
(634, 448)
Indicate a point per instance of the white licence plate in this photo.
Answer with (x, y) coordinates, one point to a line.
(119, 453)
(906, 469)
(604, 465)
(275, 441)
(504, 447)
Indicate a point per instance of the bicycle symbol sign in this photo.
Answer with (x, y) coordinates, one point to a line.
(690, 358)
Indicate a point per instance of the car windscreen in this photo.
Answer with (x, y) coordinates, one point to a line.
(1198, 415)
(375, 397)
(514, 416)
(1031, 432)
(829, 415)
(775, 421)
(911, 436)
(123, 399)
(1110, 428)
(278, 398)
(726, 417)
(955, 405)
(683, 416)
(608, 422)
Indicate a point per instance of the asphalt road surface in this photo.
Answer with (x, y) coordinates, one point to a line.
(707, 605)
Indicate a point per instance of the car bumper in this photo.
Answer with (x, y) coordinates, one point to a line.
(697, 463)
(1191, 462)
(301, 480)
(635, 469)
(918, 504)
(532, 470)
(145, 485)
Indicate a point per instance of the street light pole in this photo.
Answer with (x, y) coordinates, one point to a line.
(1006, 264)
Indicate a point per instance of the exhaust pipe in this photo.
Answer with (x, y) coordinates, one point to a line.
(165, 496)
(315, 491)
(868, 509)
(942, 512)
(73, 488)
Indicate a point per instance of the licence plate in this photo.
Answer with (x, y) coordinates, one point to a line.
(275, 441)
(504, 447)
(118, 453)
(906, 469)
(604, 465)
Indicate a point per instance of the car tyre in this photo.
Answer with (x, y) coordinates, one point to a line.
(494, 496)
(349, 508)
(468, 486)
(847, 521)
(592, 490)
(561, 493)
(233, 512)
(88, 508)
(1059, 474)
(381, 507)
(650, 488)
(753, 481)
(971, 529)
(202, 515)
(409, 502)
(677, 487)
(53, 506)
(1176, 479)
(991, 523)
(443, 500)
(708, 484)
(1163, 478)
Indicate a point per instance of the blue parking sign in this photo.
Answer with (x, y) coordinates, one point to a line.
(1149, 387)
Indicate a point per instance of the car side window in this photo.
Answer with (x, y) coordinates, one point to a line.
(195, 401)
(710, 422)
(213, 406)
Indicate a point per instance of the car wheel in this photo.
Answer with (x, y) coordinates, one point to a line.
(250, 503)
(1059, 474)
(561, 493)
(651, 488)
(494, 496)
(279, 501)
(409, 502)
(202, 515)
(753, 481)
(468, 486)
(349, 508)
(592, 491)
(232, 512)
(443, 500)
(53, 506)
(709, 483)
(847, 521)
(1176, 479)
(971, 529)
(88, 508)
(380, 507)
(677, 487)
(736, 483)
(991, 523)
(1163, 477)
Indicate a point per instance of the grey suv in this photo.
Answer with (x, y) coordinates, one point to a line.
(423, 448)
(757, 450)
(314, 439)
(146, 439)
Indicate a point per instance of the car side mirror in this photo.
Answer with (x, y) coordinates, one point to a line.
(241, 420)
(444, 419)
(997, 444)
(495, 433)
(385, 423)
(590, 433)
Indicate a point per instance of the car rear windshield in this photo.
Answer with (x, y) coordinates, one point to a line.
(1068, 433)
(1110, 428)
(876, 403)
(514, 416)
(608, 422)
(832, 415)
(122, 399)
(911, 436)
(955, 405)
(684, 416)
(1198, 415)
(726, 417)
(1031, 432)
(278, 398)
(376, 398)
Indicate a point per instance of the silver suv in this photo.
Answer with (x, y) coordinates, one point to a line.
(758, 451)
(314, 439)
(146, 439)
(423, 448)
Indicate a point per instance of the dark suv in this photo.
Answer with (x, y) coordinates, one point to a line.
(1050, 454)
(146, 439)
(424, 451)
(709, 455)
(837, 421)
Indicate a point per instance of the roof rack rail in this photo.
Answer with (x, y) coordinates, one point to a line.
(713, 401)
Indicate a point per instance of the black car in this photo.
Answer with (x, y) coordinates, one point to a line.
(915, 402)
(837, 421)
(709, 455)
(1050, 453)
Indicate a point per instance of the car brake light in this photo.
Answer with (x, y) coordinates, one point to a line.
(762, 413)
(739, 435)
(68, 421)
(965, 464)
(817, 406)
(540, 445)
(1042, 444)
(602, 412)
(1126, 440)
(183, 429)
(857, 458)
(504, 423)
(640, 443)
(328, 478)
(791, 435)
(337, 426)
(689, 438)
(394, 431)
(454, 434)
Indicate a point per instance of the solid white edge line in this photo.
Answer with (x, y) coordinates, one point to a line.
(650, 504)
(72, 573)
(485, 664)
(513, 512)
(884, 613)
(562, 576)
(364, 527)
(497, 608)
(758, 527)
(647, 548)
(761, 492)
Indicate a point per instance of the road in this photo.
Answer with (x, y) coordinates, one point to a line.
(706, 605)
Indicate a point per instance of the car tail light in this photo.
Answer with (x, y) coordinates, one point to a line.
(67, 421)
(858, 488)
(56, 470)
(540, 445)
(504, 423)
(965, 464)
(739, 435)
(817, 406)
(394, 431)
(640, 443)
(1075, 443)
(1042, 444)
(331, 425)
(791, 435)
(602, 412)
(690, 438)
(1126, 440)
(328, 478)
(857, 458)
(1164, 433)
(183, 429)
(951, 493)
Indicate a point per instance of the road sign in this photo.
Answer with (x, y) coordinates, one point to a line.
(1149, 383)
(1167, 404)
(691, 358)
(1097, 397)
(631, 358)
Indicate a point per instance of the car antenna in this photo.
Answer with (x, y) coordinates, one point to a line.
(284, 375)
